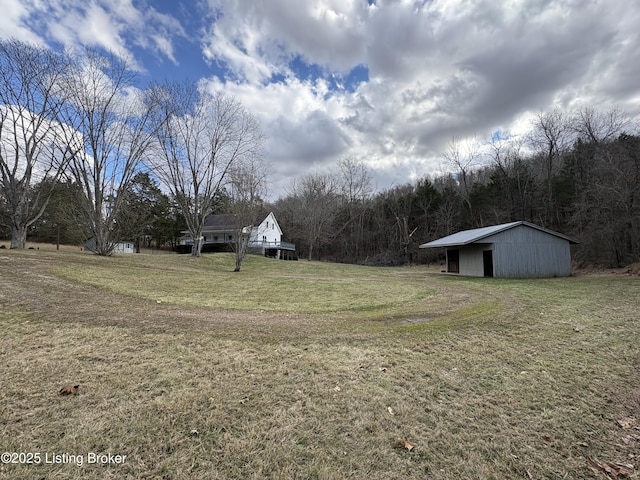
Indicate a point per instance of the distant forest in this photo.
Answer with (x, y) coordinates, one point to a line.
(579, 175)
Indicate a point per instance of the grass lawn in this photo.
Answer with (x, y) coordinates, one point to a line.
(310, 370)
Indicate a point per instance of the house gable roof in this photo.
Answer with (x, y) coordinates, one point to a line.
(467, 237)
(273, 219)
(225, 222)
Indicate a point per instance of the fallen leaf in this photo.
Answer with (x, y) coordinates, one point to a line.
(69, 390)
(626, 468)
(383, 369)
(611, 470)
(627, 423)
(405, 444)
(337, 388)
(390, 410)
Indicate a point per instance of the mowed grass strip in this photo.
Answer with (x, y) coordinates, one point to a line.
(492, 379)
(262, 285)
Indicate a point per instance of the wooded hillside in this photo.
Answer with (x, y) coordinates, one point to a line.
(577, 175)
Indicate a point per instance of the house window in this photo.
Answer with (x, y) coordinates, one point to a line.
(267, 224)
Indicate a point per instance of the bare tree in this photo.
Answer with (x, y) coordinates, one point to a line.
(399, 205)
(315, 207)
(200, 137)
(448, 212)
(463, 156)
(550, 137)
(511, 180)
(112, 119)
(247, 187)
(356, 188)
(356, 184)
(33, 142)
(598, 127)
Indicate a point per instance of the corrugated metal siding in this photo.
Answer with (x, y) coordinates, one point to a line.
(471, 262)
(527, 252)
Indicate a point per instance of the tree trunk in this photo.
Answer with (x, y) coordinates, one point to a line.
(18, 237)
(239, 259)
(196, 249)
(241, 246)
(104, 245)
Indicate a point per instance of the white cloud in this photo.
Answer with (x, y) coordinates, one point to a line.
(14, 21)
(258, 39)
(115, 25)
(436, 68)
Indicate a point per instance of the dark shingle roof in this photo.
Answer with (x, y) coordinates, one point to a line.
(224, 221)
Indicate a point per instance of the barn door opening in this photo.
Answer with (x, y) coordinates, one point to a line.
(453, 261)
(487, 261)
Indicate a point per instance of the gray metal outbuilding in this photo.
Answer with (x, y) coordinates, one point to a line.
(510, 250)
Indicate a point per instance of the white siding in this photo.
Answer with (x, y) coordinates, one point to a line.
(123, 247)
(267, 231)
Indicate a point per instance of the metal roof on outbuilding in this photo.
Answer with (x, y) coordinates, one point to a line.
(467, 237)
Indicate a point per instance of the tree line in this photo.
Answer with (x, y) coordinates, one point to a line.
(577, 173)
(87, 153)
(76, 126)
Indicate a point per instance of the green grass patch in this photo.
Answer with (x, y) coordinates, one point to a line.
(263, 284)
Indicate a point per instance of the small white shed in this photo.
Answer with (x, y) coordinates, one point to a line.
(120, 247)
(510, 250)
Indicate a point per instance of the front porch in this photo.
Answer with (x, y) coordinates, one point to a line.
(224, 242)
(277, 250)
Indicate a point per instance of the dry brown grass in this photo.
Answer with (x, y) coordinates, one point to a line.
(489, 379)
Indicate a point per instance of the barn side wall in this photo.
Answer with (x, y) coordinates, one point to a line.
(526, 252)
(471, 263)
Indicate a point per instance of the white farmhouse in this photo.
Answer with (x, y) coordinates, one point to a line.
(220, 230)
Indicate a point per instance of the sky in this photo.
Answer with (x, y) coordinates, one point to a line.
(387, 82)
